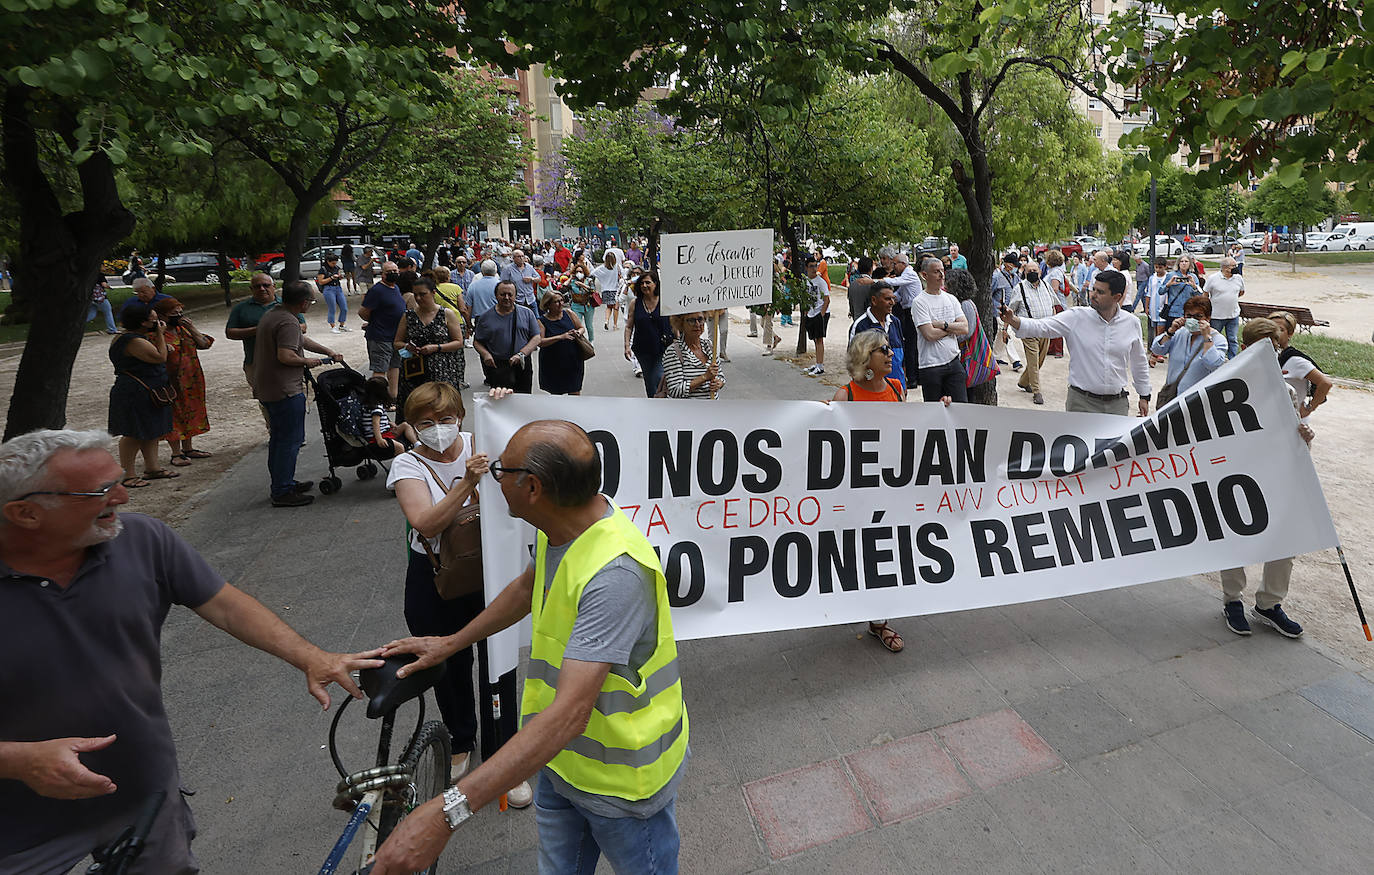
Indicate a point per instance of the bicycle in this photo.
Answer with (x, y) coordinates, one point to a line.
(380, 796)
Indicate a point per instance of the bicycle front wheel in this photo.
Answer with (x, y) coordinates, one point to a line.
(427, 759)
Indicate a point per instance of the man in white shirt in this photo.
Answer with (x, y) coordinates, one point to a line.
(940, 322)
(1105, 349)
(612, 248)
(1032, 298)
(818, 317)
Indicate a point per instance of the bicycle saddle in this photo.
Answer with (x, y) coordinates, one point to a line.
(386, 692)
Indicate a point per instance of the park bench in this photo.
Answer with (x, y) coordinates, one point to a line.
(1303, 315)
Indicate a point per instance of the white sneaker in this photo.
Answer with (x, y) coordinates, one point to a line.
(639, 372)
(333, 329)
(467, 342)
(458, 766)
(520, 796)
(344, 328)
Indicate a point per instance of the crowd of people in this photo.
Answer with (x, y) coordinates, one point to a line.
(594, 588)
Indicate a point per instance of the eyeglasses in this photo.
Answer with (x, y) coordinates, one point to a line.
(695, 320)
(499, 471)
(104, 491)
(885, 350)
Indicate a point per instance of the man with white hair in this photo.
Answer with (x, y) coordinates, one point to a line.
(1101, 259)
(525, 277)
(481, 292)
(144, 293)
(83, 596)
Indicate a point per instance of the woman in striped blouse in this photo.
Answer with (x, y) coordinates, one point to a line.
(688, 371)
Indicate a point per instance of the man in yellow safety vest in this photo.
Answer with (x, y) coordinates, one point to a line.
(602, 719)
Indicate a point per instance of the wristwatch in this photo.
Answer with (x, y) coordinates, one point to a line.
(456, 808)
(946, 328)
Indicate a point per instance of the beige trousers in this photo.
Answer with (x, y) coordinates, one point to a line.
(1273, 586)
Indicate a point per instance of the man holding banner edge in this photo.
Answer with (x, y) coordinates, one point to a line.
(603, 676)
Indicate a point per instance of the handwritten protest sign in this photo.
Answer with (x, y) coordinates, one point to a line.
(715, 269)
(773, 515)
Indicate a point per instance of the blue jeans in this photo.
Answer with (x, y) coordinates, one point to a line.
(286, 421)
(652, 371)
(1230, 328)
(571, 840)
(103, 307)
(335, 300)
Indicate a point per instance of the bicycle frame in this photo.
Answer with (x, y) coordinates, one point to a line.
(368, 788)
(369, 845)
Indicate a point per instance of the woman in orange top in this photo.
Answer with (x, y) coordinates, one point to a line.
(869, 363)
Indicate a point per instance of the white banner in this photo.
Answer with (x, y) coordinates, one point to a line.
(775, 515)
(715, 269)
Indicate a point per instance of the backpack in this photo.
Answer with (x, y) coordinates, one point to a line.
(353, 425)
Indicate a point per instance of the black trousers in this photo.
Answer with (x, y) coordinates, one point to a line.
(461, 707)
(941, 380)
(505, 374)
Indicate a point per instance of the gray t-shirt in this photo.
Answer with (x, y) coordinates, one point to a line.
(616, 623)
(89, 665)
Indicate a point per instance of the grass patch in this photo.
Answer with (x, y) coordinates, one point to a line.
(1317, 259)
(193, 295)
(1338, 357)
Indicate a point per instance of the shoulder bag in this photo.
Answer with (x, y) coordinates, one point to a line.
(1170, 390)
(458, 565)
(980, 365)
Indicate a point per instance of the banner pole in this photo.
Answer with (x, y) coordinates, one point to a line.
(1345, 566)
(715, 348)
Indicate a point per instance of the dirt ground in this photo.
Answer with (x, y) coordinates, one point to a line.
(1319, 598)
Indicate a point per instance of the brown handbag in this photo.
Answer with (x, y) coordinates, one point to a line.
(458, 565)
(161, 396)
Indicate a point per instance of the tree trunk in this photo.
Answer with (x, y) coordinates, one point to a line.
(298, 232)
(651, 248)
(976, 192)
(59, 254)
(225, 266)
(432, 239)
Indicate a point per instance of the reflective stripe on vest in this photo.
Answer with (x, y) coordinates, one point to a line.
(636, 735)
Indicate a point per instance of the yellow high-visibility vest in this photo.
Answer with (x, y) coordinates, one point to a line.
(636, 738)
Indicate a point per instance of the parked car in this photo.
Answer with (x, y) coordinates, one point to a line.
(1089, 243)
(1168, 247)
(1328, 241)
(1199, 243)
(1359, 241)
(1068, 247)
(937, 246)
(311, 259)
(191, 267)
(1255, 241)
(1219, 245)
(1290, 242)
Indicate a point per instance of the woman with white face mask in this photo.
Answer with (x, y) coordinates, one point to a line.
(433, 482)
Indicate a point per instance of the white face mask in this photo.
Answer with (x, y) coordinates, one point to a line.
(439, 437)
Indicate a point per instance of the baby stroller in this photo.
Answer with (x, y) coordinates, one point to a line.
(344, 425)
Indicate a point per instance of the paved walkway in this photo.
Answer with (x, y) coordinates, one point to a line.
(1120, 731)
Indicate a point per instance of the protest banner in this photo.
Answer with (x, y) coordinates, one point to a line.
(772, 515)
(715, 269)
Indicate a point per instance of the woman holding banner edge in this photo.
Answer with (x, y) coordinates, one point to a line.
(869, 363)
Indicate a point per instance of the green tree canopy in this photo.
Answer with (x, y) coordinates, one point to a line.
(1268, 82)
(463, 161)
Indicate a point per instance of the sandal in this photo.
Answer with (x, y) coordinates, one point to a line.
(160, 474)
(134, 483)
(180, 460)
(197, 454)
(887, 636)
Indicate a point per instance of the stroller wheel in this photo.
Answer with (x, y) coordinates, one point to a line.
(330, 485)
(367, 471)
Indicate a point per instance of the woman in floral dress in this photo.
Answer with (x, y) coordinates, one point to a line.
(189, 416)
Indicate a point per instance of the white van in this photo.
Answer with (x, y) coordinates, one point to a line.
(1351, 229)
